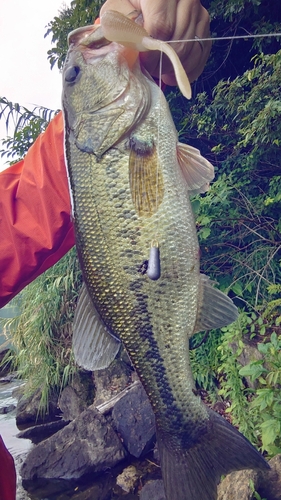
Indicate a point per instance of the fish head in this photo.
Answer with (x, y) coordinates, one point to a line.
(105, 93)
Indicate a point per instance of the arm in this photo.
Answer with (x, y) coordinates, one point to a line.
(35, 225)
(7, 474)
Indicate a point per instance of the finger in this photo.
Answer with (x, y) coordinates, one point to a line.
(193, 54)
(159, 17)
(125, 7)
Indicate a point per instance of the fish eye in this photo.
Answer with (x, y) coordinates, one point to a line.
(71, 74)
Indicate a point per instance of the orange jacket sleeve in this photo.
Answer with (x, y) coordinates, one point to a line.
(35, 224)
(7, 474)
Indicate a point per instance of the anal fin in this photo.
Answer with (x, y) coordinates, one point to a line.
(93, 345)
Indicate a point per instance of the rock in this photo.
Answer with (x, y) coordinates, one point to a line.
(153, 490)
(237, 485)
(7, 409)
(77, 396)
(111, 380)
(10, 377)
(134, 421)
(270, 487)
(71, 404)
(21, 493)
(87, 445)
(249, 353)
(128, 479)
(28, 409)
(42, 431)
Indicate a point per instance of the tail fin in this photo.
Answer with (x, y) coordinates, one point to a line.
(193, 474)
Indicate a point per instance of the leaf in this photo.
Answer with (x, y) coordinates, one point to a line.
(237, 288)
(270, 431)
(204, 233)
(253, 370)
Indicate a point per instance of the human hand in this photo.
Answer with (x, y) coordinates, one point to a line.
(171, 20)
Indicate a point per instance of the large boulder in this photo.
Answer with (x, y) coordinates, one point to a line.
(28, 409)
(77, 396)
(87, 445)
(271, 484)
(111, 381)
(71, 404)
(241, 485)
(37, 433)
(134, 421)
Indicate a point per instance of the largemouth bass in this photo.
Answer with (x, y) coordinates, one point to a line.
(130, 183)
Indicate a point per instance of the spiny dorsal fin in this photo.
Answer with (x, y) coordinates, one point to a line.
(197, 171)
(215, 309)
(93, 346)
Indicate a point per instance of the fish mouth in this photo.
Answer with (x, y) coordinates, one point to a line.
(91, 43)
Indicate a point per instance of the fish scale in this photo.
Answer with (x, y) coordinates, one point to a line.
(99, 223)
(130, 182)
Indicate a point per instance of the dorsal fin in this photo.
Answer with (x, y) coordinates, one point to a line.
(197, 171)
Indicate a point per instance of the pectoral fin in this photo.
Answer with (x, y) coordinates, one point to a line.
(93, 346)
(197, 171)
(215, 309)
(146, 179)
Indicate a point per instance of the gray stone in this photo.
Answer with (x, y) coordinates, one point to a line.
(128, 478)
(77, 396)
(153, 490)
(87, 445)
(71, 404)
(270, 487)
(249, 353)
(111, 381)
(39, 432)
(7, 409)
(237, 485)
(134, 421)
(28, 409)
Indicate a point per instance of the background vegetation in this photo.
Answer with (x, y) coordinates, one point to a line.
(234, 119)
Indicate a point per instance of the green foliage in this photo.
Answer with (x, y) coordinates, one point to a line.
(252, 392)
(239, 219)
(232, 387)
(28, 124)
(255, 407)
(256, 495)
(42, 333)
(81, 13)
(266, 372)
(205, 360)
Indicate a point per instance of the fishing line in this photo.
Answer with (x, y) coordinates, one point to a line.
(234, 37)
(154, 267)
